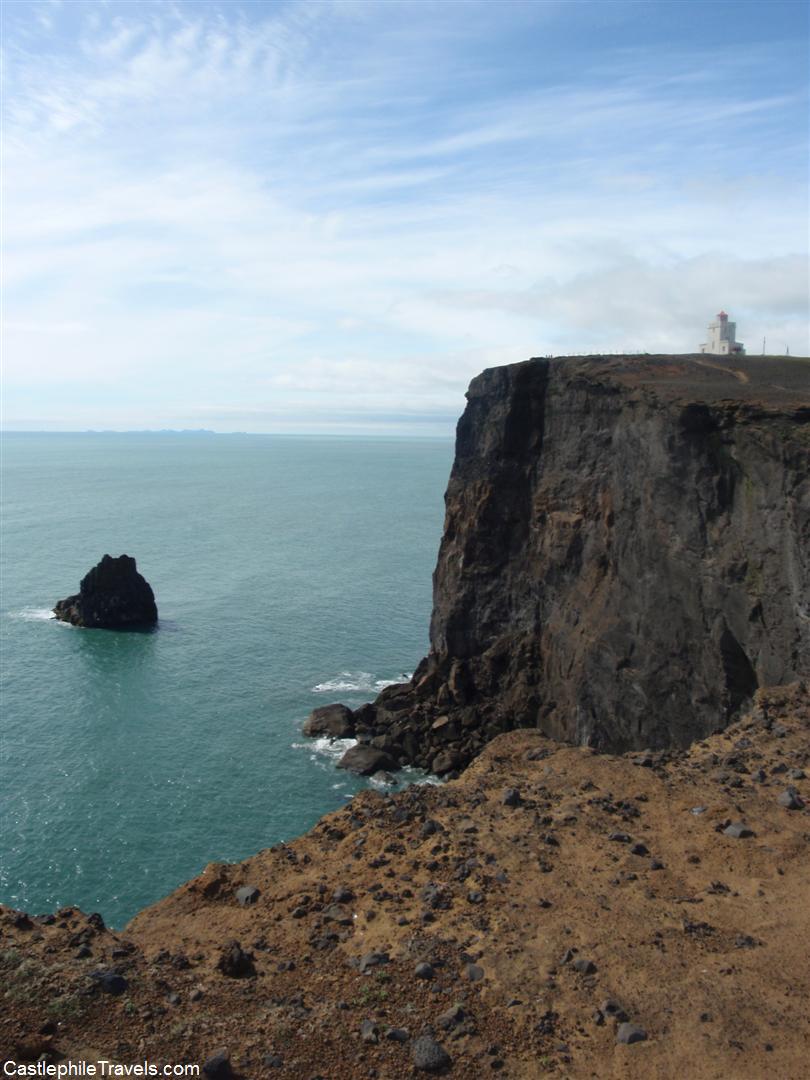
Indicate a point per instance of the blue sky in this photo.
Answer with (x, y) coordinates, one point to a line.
(329, 216)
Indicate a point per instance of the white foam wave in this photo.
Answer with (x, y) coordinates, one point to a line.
(324, 750)
(31, 614)
(357, 682)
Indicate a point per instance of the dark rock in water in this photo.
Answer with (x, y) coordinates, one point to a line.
(332, 720)
(112, 596)
(366, 760)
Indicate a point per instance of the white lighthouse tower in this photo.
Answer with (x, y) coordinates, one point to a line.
(722, 334)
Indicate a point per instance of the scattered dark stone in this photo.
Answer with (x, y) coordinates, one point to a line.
(738, 830)
(336, 721)
(429, 827)
(424, 970)
(613, 1010)
(435, 896)
(429, 1056)
(619, 837)
(791, 799)
(111, 596)
(452, 1018)
(218, 1066)
(235, 962)
(628, 1033)
(697, 929)
(247, 895)
(400, 1035)
(511, 797)
(369, 1032)
(796, 774)
(21, 921)
(656, 864)
(273, 1061)
(583, 966)
(473, 972)
(371, 960)
(475, 897)
(445, 762)
(83, 952)
(343, 895)
(639, 849)
(110, 982)
(537, 754)
(547, 1023)
(366, 760)
(96, 921)
(745, 941)
(173, 998)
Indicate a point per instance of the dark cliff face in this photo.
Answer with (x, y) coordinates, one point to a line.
(625, 558)
(626, 553)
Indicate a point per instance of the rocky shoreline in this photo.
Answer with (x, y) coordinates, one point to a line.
(552, 912)
(625, 559)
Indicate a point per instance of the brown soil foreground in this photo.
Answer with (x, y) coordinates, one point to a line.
(608, 893)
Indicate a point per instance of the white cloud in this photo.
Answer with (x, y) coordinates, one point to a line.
(240, 207)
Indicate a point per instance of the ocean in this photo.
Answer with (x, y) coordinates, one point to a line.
(289, 572)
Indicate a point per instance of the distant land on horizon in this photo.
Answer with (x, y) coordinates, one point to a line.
(182, 432)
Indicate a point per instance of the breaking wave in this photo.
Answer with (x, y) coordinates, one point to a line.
(32, 614)
(357, 682)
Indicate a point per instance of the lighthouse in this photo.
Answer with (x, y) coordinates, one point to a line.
(722, 334)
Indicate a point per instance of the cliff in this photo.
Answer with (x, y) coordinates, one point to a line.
(625, 558)
(624, 563)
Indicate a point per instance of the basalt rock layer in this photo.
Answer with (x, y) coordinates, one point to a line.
(112, 596)
(625, 558)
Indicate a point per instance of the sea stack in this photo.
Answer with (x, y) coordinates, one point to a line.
(112, 596)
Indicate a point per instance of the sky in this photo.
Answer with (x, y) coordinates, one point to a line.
(329, 216)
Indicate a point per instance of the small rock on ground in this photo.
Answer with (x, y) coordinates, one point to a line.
(429, 1056)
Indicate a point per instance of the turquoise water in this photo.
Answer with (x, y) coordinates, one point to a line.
(289, 572)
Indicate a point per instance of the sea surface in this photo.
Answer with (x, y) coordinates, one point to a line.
(289, 572)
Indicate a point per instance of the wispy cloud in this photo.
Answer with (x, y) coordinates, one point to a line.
(284, 208)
